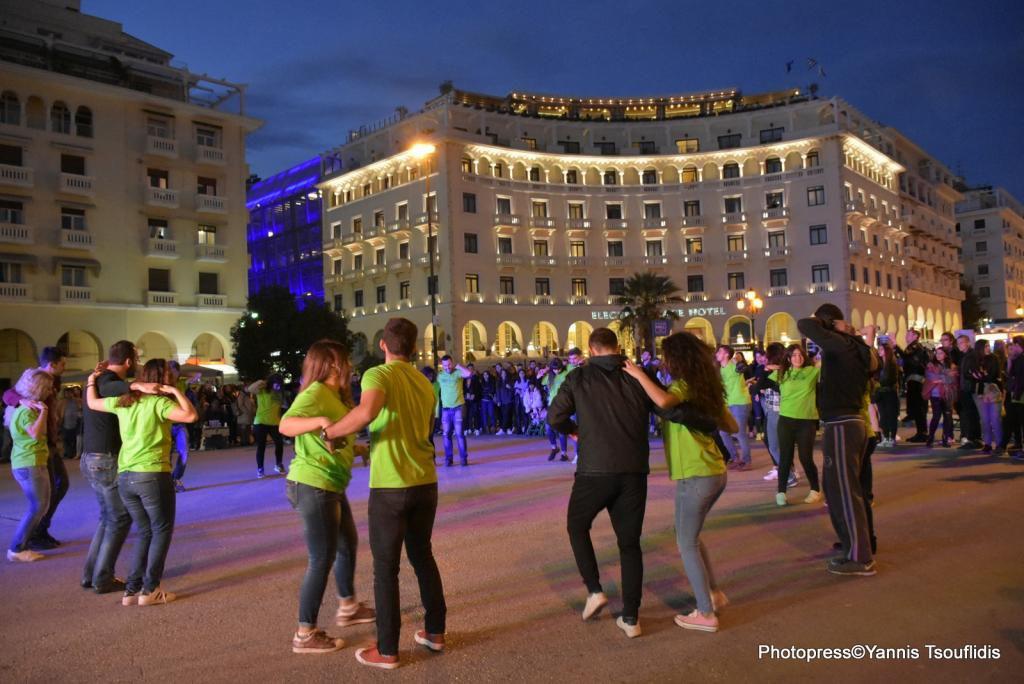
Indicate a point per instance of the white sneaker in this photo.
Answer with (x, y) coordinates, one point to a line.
(476, 433)
(499, 433)
(780, 499)
(595, 602)
(156, 597)
(813, 497)
(632, 631)
(26, 556)
(772, 474)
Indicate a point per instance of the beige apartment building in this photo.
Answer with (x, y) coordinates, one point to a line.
(990, 222)
(542, 206)
(122, 196)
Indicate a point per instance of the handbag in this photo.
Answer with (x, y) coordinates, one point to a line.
(992, 394)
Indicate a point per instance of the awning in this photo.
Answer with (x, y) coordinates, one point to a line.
(76, 261)
(12, 257)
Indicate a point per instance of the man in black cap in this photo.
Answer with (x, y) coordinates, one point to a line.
(846, 364)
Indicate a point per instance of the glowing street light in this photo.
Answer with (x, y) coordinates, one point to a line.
(753, 304)
(423, 150)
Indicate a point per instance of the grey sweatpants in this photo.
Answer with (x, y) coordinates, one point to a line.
(845, 437)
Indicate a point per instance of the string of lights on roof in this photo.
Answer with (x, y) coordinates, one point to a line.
(621, 101)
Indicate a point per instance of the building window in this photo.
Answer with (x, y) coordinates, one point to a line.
(158, 178)
(736, 243)
(10, 109)
(472, 283)
(982, 269)
(726, 142)
(776, 239)
(358, 297)
(820, 274)
(357, 226)
(506, 285)
(694, 245)
(853, 273)
(888, 280)
(432, 285)
(159, 279)
(690, 174)
(605, 148)
(339, 302)
(157, 229)
(771, 135)
(208, 284)
(11, 212)
(979, 224)
(539, 209)
(981, 246)
(731, 170)
(575, 210)
(654, 248)
(687, 146)
(529, 143)
(773, 200)
(650, 176)
(611, 177)
(652, 210)
(695, 283)
(535, 174)
(865, 275)
(819, 235)
(579, 287)
(613, 211)
(11, 155)
(378, 219)
(357, 262)
(469, 202)
(337, 266)
(773, 165)
(10, 272)
(615, 248)
(777, 277)
(469, 244)
(60, 118)
(569, 146)
(206, 235)
(382, 296)
(378, 257)
(984, 292)
(691, 208)
(812, 160)
(542, 287)
(72, 163)
(577, 248)
(72, 219)
(504, 245)
(540, 248)
(503, 205)
(737, 281)
(572, 177)
(733, 205)
(207, 136)
(647, 147)
(467, 165)
(617, 287)
(403, 289)
(402, 211)
(206, 186)
(878, 279)
(816, 196)
(403, 250)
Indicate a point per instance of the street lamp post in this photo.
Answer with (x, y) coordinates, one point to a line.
(423, 151)
(753, 304)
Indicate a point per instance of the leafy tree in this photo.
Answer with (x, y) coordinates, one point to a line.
(971, 310)
(273, 334)
(646, 298)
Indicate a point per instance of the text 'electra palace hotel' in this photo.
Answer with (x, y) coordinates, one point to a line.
(542, 206)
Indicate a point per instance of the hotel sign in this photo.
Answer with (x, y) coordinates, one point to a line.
(682, 313)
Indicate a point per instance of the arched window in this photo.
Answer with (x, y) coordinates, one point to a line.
(10, 109)
(611, 177)
(731, 170)
(773, 165)
(812, 159)
(649, 177)
(690, 174)
(467, 165)
(83, 122)
(60, 118)
(535, 174)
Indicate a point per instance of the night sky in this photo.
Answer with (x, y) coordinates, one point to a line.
(949, 75)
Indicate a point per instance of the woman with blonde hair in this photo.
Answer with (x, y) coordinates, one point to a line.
(29, 457)
(144, 418)
(317, 479)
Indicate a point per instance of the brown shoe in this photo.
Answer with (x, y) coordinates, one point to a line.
(435, 642)
(372, 657)
(355, 614)
(316, 641)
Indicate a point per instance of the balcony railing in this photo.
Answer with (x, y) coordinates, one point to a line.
(736, 255)
(509, 259)
(655, 260)
(167, 249)
(694, 221)
(543, 261)
(655, 222)
(775, 213)
(214, 204)
(616, 261)
(693, 258)
(616, 224)
(211, 301)
(734, 218)
(76, 239)
(422, 219)
(577, 261)
(542, 222)
(161, 197)
(211, 253)
(425, 259)
(777, 252)
(15, 292)
(154, 298)
(817, 288)
(579, 300)
(209, 155)
(692, 297)
(74, 184)
(507, 299)
(16, 234)
(163, 147)
(20, 176)
(75, 295)
(778, 291)
(475, 297)
(577, 224)
(507, 220)
(358, 311)
(400, 224)
(400, 265)
(855, 207)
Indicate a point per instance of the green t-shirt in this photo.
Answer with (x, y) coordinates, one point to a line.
(798, 392)
(451, 388)
(401, 454)
(554, 382)
(315, 464)
(27, 452)
(736, 392)
(268, 408)
(689, 454)
(865, 413)
(145, 433)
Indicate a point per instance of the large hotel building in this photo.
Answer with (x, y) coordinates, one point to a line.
(542, 206)
(122, 194)
(990, 222)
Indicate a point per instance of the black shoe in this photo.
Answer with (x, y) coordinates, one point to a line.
(918, 439)
(86, 583)
(842, 566)
(115, 585)
(448, 464)
(43, 543)
(554, 452)
(465, 463)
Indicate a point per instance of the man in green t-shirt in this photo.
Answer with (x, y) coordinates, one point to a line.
(397, 402)
(737, 397)
(449, 380)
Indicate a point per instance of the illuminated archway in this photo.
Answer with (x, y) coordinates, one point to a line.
(208, 348)
(509, 339)
(627, 344)
(701, 328)
(83, 350)
(428, 341)
(474, 339)
(17, 352)
(543, 339)
(737, 331)
(155, 345)
(855, 319)
(579, 336)
(869, 319)
(781, 327)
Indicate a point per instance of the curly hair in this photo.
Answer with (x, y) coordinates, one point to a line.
(689, 359)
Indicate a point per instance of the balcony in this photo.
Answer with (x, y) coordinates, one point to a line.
(734, 218)
(693, 258)
(736, 255)
(76, 239)
(15, 292)
(474, 297)
(509, 260)
(212, 204)
(376, 269)
(73, 184)
(353, 275)
(656, 261)
(425, 220)
(779, 291)
(332, 279)
(209, 155)
(616, 261)
(211, 301)
(154, 298)
(694, 297)
(577, 224)
(358, 311)
(655, 223)
(507, 299)
(577, 261)
(775, 214)
(16, 234)
(507, 220)
(399, 225)
(400, 265)
(162, 249)
(162, 147)
(425, 260)
(70, 294)
(543, 261)
(579, 300)
(855, 207)
(694, 221)
(161, 197)
(616, 224)
(777, 252)
(211, 253)
(352, 238)
(19, 176)
(379, 229)
(818, 288)
(542, 222)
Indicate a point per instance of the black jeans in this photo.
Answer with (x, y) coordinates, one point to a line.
(260, 432)
(70, 442)
(58, 473)
(888, 412)
(917, 408)
(944, 412)
(149, 498)
(1013, 423)
(100, 471)
(845, 440)
(398, 516)
(330, 538)
(970, 421)
(799, 433)
(625, 497)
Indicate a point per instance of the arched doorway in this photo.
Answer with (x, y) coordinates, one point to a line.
(702, 328)
(474, 340)
(855, 319)
(627, 343)
(579, 336)
(207, 348)
(17, 352)
(509, 339)
(428, 342)
(155, 345)
(737, 330)
(82, 348)
(543, 340)
(781, 327)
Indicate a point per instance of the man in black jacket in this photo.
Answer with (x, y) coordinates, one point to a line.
(612, 413)
(846, 365)
(1013, 422)
(915, 359)
(970, 421)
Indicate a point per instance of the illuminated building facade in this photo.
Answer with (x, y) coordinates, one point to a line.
(990, 222)
(543, 206)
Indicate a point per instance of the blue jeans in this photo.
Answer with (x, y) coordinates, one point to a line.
(556, 439)
(487, 415)
(149, 498)
(100, 471)
(694, 498)
(35, 482)
(451, 421)
(740, 412)
(991, 420)
(58, 489)
(330, 537)
(771, 419)
(179, 445)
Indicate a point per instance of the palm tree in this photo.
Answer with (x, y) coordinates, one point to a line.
(646, 297)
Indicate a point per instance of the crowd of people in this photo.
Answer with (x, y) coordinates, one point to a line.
(135, 426)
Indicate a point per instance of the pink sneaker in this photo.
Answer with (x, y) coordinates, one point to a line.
(372, 657)
(435, 642)
(698, 621)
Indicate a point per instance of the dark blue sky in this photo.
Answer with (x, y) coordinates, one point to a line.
(949, 74)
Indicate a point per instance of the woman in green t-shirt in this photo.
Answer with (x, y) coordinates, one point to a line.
(695, 462)
(144, 418)
(29, 455)
(269, 400)
(798, 420)
(317, 479)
